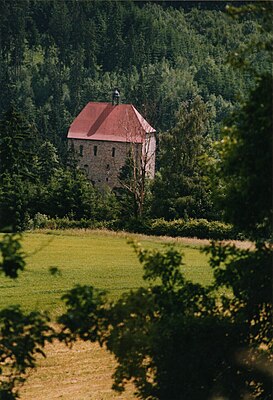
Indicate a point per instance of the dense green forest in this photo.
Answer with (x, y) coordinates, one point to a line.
(170, 59)
(58, 55)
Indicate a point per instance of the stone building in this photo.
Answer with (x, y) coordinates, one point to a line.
(103, 135)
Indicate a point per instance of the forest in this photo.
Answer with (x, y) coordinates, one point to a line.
(173, 63)
(201, 74)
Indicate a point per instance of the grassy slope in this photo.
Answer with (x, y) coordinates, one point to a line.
(101, 259)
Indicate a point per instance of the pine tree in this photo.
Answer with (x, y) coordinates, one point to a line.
(179, 189)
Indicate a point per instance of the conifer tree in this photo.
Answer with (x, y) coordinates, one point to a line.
(179, 189)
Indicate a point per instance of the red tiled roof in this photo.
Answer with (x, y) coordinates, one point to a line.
(102, 121)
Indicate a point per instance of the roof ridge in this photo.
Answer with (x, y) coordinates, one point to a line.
(136, 113)
(141, 119)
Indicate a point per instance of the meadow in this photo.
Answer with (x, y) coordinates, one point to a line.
(99, 258)
(102, 259)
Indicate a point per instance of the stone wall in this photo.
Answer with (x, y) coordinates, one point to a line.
(102, 160)
(149, 152)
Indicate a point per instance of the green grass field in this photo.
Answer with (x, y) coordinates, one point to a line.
(102, 259)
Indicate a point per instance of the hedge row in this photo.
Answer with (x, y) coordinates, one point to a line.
(200, 228)
(42, 221)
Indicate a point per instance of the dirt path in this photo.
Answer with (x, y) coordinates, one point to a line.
(167, 239)
(204, 242)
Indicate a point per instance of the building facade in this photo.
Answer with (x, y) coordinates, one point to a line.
(104, 135)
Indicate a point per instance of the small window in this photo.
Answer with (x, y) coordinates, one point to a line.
(95, 150)
(113, 151)
(107, 179)
(108, 167)
(81, 150)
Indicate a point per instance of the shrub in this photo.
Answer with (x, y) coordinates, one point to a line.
(200, 228)
(42, 221)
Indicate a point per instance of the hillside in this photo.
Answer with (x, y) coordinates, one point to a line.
(174, 61)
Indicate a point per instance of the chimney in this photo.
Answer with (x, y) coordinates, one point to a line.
(115, 96)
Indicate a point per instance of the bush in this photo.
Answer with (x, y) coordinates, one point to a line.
(42, 221)
(200, 228)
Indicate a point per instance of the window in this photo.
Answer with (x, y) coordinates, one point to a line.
(107, 167)
(81, 150)
(95, 150)
(113, 151)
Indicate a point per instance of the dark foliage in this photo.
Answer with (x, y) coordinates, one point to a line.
(18, 145)
(13, 259)
(180, 189)
(22, 335)
(176, 339)
(246, 163)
